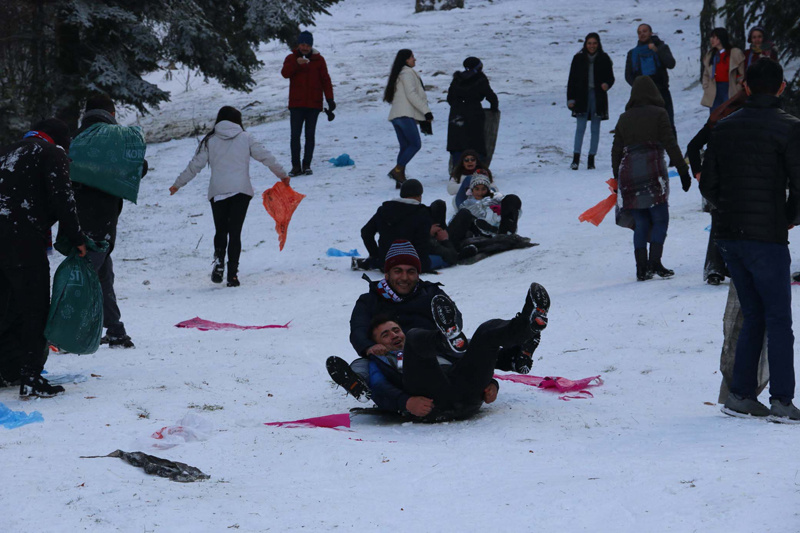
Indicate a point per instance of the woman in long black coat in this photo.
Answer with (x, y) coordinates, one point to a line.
(465, 130)
(590, 77)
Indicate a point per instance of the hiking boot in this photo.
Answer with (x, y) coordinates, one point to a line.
(346, 377)
(643, 272)
(447, 316)
(590, 162)
(296, 171)
(233, 274)
(714, 279)
(537, 304)
(521, 363)
(741, 406)
(219, 267)
(531, 343)
(481, 227)
(123, 341)
(307, 170)
(576, 161)
(35, 386)
(359, 263)
(654, 265)
(398, 174)
(784, 411)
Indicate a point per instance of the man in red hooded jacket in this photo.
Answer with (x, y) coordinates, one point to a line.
(308, 81)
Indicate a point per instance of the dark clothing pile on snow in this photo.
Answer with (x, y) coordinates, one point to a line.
(465, 130)
(751, 157)
(578, 86)
(399, 219)
(413, 311)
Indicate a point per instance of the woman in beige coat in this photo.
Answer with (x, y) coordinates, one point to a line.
(721, 72)
(406, 93)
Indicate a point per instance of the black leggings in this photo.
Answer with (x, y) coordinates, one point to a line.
(229, 217)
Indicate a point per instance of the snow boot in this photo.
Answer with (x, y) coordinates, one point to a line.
(643, 272)
(233, 271)
(33, 385)
(447, 316)
(741, 406)
(121, 341)
(346, 377)
(714, 279)
(576, 161)
(219, 266)
(359, 263)
(590, 162)
(784, 412)
(522, 362)
(307, 170)
(655, 265)
(296, 171)
(483, 228)
(534, 312)
(398, 174)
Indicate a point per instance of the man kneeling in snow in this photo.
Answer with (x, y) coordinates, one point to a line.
(437, 375)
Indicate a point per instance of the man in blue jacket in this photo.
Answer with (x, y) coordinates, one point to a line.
(652, 57)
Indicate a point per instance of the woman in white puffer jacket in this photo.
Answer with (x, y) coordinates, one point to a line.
(406, 93)
(227, 149)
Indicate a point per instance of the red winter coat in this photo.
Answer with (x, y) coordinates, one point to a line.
(307, 82)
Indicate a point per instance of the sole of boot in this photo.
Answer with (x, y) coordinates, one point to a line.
(344, 376)
(540, 300)
(448, 325)
(737, 414)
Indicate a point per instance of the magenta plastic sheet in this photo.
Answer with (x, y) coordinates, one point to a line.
(208, 325)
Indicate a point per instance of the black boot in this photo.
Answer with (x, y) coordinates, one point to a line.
(32, 384)
(233, 271)
(219, 266)
(655, 265)
(590, 163)
(576, 159)
(642, 271)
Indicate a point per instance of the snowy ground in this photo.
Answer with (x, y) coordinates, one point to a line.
(650, 452)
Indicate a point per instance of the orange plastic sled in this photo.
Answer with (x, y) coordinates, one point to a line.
(280, 202)
(596, 214)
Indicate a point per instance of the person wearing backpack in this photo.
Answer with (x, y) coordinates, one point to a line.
(652, 57)
(99, 213)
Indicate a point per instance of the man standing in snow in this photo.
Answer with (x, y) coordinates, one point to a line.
(652, 57)
(402, 295)
(436, 374)
(751, 157)
(34, 193)
(99, 212)
(308, 81)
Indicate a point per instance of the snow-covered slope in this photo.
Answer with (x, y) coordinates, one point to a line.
(650, 451)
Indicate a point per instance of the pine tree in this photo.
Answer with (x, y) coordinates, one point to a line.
(57, 52)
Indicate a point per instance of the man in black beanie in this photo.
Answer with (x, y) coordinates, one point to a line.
(35, 193)
(404, 218)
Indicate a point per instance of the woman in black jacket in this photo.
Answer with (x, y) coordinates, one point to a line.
(590, 77)
(465, 129)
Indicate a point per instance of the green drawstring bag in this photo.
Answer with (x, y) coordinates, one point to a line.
(75, 322)
(109, 157)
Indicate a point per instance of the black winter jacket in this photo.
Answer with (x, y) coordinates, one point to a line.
(466, 122)
(752, 156)
(414, 311)
(399, 219)
(98, 210)
(35, 192)
(578, 84)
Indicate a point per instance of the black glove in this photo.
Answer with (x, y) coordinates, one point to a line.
(686, 178)
(429, 116)
(331, 106)
(330, 114)
(426, 128)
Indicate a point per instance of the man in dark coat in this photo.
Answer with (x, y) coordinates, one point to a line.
(752, 156)
(307, 72)
(99, 213)
(652, 57)
(34, 194)
(405, 218)
(465, 129)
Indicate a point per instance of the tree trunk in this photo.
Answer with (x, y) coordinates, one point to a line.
(707, 23)
(438, 5)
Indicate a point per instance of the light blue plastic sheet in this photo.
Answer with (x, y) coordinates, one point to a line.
(14, 419)
(334, 252)
(342, 161)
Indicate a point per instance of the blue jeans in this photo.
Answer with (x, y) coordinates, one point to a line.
(408, 137)
(591, 111)
(760, 272)
(299, 116)
(652, 223)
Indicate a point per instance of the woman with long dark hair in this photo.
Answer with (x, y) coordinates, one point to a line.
(721, 70)
(591, 75)
(406, 93)
(227, 149)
